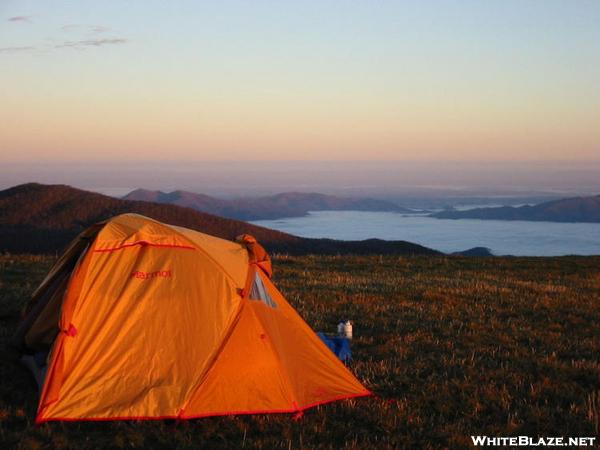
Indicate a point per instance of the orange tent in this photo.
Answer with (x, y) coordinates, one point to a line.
(146, 320)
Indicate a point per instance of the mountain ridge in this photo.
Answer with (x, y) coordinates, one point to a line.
(37, 218)
(282, 205)
(573, 209)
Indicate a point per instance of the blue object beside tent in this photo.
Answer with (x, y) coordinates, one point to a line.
(340, 346)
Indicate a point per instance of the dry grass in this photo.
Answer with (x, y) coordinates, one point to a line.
(453, 346)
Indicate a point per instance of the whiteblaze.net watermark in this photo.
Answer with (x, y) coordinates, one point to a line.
(528, 441)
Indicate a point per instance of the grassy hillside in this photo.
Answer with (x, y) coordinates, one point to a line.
(453, 346)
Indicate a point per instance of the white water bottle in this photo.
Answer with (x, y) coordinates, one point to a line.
(348, 329)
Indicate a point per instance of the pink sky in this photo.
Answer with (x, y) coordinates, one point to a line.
(354, 81)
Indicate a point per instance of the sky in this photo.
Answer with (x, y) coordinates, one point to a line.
(510, 80)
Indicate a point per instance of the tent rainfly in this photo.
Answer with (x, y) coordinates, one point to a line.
(143, 320)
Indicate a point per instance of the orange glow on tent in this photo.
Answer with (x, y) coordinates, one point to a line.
(158, 321)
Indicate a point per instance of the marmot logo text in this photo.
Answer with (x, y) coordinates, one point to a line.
(147, 275)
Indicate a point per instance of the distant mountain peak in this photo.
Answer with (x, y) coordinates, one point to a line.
(284, 204)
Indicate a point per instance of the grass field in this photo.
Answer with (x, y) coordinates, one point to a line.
(452, 346)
